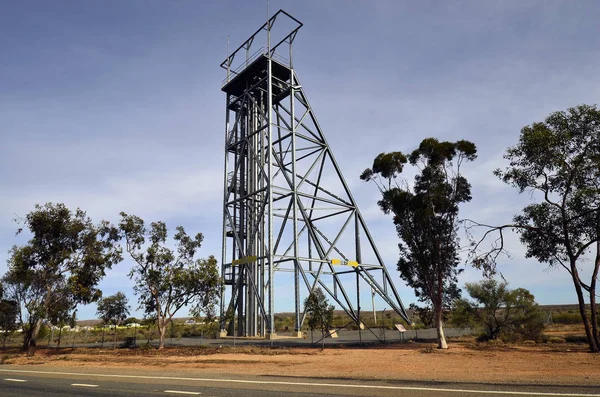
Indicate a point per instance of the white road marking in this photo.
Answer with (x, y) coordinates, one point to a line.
(82, 385)
(340, 385)
(15, 380)
(182, 392)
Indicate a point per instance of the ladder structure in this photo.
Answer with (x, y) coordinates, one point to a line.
(286, 205)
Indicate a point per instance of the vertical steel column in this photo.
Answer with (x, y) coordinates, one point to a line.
(269, 115)
(297, 264)
(235, 271)
(263, 162)
(255, 220)
(359, 260)
(249, 223)
(225, 188)
(358, 306)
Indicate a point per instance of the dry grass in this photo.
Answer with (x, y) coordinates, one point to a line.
(465, 361)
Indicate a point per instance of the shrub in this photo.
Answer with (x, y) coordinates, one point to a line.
(495, 342)
(557, 340)
(498, 312)
(566, 318)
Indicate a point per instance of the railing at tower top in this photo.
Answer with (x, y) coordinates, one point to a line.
(234, 64)
(261, 51)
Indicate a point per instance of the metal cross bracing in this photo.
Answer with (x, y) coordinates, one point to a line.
(286, 207)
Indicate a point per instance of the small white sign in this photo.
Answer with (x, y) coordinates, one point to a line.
(400, 327)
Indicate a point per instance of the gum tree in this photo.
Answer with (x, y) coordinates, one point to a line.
(426, 217)
(113, 310)
(65, 258)
(320, 313)
(168, 279)
(557, 162)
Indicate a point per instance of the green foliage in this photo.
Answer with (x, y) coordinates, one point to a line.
(426, 216)
(64, 261)
(560, 160)
(556, 340)
(284, 323)
(62, 311)
(168, 279)
(569, 317)
(113, 309)
(9, 311)
(566, 318)
(424, 316)
(388, 165)
(320, 312)
(499, 312)
(211, 329)
(131, 320)
(44, 332)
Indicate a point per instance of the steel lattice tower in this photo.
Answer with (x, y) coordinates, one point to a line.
(286, 205)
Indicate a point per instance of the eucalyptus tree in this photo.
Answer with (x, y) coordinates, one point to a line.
(426, 217)
(67, 254)
(113, 310)
(320, 313)
(166, 279)
(557, 162)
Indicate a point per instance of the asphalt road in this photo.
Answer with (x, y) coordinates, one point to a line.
(96, 382)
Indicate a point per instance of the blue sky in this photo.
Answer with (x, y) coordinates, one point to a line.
(116, 105)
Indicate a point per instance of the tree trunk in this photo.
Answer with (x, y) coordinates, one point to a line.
(31, 343)
(59, 337)
(439, 326)
(438, 304)
(27, 336)
(581, 301)
(162, 329)
(322, 339)
(594, 316)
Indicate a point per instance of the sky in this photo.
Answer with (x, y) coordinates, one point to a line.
(116, 105)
